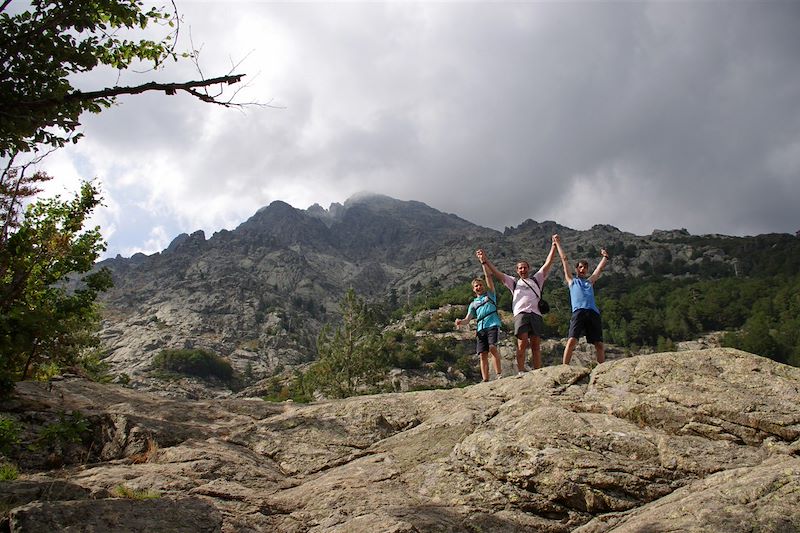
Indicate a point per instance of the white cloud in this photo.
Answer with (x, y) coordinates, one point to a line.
(667, 114)
(157, 240)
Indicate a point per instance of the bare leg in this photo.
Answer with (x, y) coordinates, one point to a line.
(485, 366)
(536, 352)
(496, 356)
(571, 342)
(601, 351)
(522, 345)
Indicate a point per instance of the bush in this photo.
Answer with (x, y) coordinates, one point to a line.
(8, 472)
(431, 349)
(9, 435)
(468, 366)
(407, 359)
(6, 382)
(96, 368)
(279, 391)
(198, 363)
(69, 429)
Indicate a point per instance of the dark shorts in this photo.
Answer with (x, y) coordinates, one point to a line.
(586, 321)
(529, 323)
(486, 338)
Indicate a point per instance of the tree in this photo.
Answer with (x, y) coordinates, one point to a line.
(756, 337)
(350, 357)
(48, 313)
(42, 318)
(43, 49)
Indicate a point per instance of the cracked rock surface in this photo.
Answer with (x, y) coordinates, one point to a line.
(688, 441)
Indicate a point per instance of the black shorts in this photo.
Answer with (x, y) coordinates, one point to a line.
(486, 338)
(586, 321)
(529, 323)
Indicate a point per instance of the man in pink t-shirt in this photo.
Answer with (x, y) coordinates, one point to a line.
(526, 293)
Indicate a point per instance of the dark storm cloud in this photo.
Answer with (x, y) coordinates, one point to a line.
(642, 115)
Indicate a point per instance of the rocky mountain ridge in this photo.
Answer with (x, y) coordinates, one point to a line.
(259, 294)
(705, 441)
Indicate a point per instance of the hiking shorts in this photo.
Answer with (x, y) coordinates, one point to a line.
(486, 338)
(586, 321)
(529, 323)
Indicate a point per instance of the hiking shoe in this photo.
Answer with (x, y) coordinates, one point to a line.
(520, 373)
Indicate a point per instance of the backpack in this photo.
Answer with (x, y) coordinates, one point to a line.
(544, 307)
(489, 300)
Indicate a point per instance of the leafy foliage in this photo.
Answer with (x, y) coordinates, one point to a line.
(95, 368)
(280, 391)
(70, 429)
(198, 363)
(42, 320)
(403, 349)
(350, 356)
(43, 48)
(8, 472)
(762, 314)
(9, 435)
(775, 254)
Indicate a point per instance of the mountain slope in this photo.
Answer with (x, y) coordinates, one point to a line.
(259, 295)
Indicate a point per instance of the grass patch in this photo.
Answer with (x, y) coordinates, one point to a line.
(121, 491)
(8, 472)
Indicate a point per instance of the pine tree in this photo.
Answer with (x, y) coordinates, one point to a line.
(350, 356)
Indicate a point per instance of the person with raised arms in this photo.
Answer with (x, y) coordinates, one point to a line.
(526, 292)
(484, 308)
(585, 313)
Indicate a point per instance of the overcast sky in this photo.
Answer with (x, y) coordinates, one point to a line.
(654, 115)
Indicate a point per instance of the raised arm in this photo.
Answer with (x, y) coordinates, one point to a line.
(564, 261)
(549, 261)
(487, 274)
(485, 263)
(600, 266)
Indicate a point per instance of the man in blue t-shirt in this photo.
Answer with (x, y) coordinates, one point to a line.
(484, 308)
(585, 314)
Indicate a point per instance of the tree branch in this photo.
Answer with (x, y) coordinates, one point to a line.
(111, 92)
(167, 88)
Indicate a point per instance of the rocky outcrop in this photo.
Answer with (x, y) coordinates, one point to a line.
(686, 441)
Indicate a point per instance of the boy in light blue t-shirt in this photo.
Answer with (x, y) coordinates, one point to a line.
(484, 308)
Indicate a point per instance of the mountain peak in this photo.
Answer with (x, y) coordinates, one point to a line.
(366, 197)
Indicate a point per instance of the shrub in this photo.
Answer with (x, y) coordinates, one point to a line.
(440, 365)
(431, 349)
(198, 363)
(405, 358)
(467, 365)
(95, 367)
(279, 391)
(69, 429)
(8, 472)
(9, 434)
